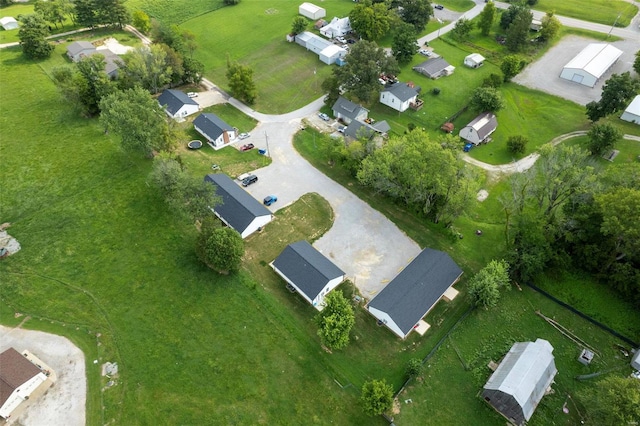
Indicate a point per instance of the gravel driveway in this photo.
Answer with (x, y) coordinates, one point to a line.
(64, 403)
(544, 74)
(362, 242)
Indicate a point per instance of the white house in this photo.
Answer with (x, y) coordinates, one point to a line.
(19, 378)
(475, 60)
(238, 210)
(347, 111)
(403, 303)
(330, 54)
(478, 130)
(311, 11)
(8, 23)
(308, 271)
(591, 64)
(215, 130)
(79, 49)
(177, 104)
(338, 27)
(632, 113)
(399, 96)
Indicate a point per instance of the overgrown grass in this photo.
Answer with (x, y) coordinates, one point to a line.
(174, 11)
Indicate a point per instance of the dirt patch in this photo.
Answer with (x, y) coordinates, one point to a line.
(482, 195)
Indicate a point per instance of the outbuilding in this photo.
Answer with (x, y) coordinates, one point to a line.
(312, 42)
(311, 11)
(403, 303)
(475, 60)
(399, 96)
(435, 68)
(19, 378)
(479, 130)
(347, 111)
(79, 49)
(632, 113)
(308, 271)
(9, 23)
(238, 210)
(215, 130)
(331, 54)
(521, 380)
(177, 104)
(338, 27)
(591, 64)
(535, 25)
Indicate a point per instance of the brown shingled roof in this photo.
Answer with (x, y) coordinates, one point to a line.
(15, 370)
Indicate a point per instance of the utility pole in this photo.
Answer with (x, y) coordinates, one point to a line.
(614, 24)
(267, 139)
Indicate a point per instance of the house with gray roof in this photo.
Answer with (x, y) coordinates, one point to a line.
(348, 111)
(435, 68)
(238, 210)
(403, 303)
(79, 49)
(218, 133)
(308, 271)
(521, 380)
(360, 129)
(177, 104)
(19, 378)
(480, 128)
(399, 96)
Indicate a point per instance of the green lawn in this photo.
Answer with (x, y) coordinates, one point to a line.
(600, 11)
(629, 151)
(174, 11)
(17, 9)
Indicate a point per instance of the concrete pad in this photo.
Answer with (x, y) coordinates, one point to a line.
(422, 327)
(450, 294)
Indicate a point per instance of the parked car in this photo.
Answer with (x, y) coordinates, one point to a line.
(341, 39)
(249, 180)
(438, 6)
(247, 147)
(243, 176)
(424, 52)
(324, 116)
(269, 199)
(467, 147)
(192, 94)
(243, 135)
(351, 41)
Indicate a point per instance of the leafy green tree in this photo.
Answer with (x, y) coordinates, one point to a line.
(370, 20)
(51, 11)
(493, 80)
(32, 34)
(462, 29)
(137, 118)
(511, 66)
(5, 3)
(376, 397)
(365, 62)
(174, 62)
(404, 43)
(617, 92)
(518, 31)
(531, 248)
(487, 16)
(485, 286)
(241, 81)
(532, 2)
(636, 63)
(517, 144)
(486, 99)
(222, 249)
(550, 27)
(298, 25)
(620, 207)
(509, 15)
(331, 86)
(86, 13)
(414, 367)
(112, 12)
(141, 21)
(97, 82)
(231, 2)
(613, 401)
(146, 67)
(416, 13)
(603, 138)
(335, 321)
(193, 70)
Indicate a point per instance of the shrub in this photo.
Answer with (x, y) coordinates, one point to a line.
(436, 91)
(517, 144)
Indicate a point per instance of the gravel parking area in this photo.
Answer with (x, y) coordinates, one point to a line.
(544, 74)
(64, 403)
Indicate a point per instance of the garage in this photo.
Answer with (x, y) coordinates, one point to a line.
(591, 64)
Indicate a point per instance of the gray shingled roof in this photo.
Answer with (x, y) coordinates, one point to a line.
(401, 91)
(307, 268)
(211, 124)
(432, 67)
(238, 207)
(346, 108)
(111, 60)
(173, 100)
(414, 291)
(78, 46)
(357, 129)
(484, 124)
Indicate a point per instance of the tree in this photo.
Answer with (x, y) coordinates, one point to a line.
(636, 63)
(141, 21)
(331, 86)
(187, 195)
(486, 99)
(137, 118)
(602, 138)
(376, 397)
(86, 13)
(485, 286)
(220, 248)
(32, 34)
(550, 27)
(404, 43)
(462, 29)
(493, 80)
(365, 63)
(617, 92)
(231, 2)
(511, 66)
(112, 12)
(370, 21)
(146, 67)
(416, 13)
(517, 144)
(518, 31)
(174, 62)
(620, 207)
(193, 70)
(51, 11)
(241, 81)
(86, 85)
(487, 16)
(298, 25)
(5, 3)
(613, 401)
(335, 321)
(509, 15)
(414, 367)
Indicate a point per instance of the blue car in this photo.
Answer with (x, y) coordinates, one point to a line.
(467, 147)
(269, 199)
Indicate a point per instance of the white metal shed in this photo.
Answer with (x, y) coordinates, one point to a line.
(591, 64)
(311, 11)
(632, 113)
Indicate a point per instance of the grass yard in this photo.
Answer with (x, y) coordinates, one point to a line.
(601, 11)
(629, 151)
(17, 9)
(453, 378)
(174, 11)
